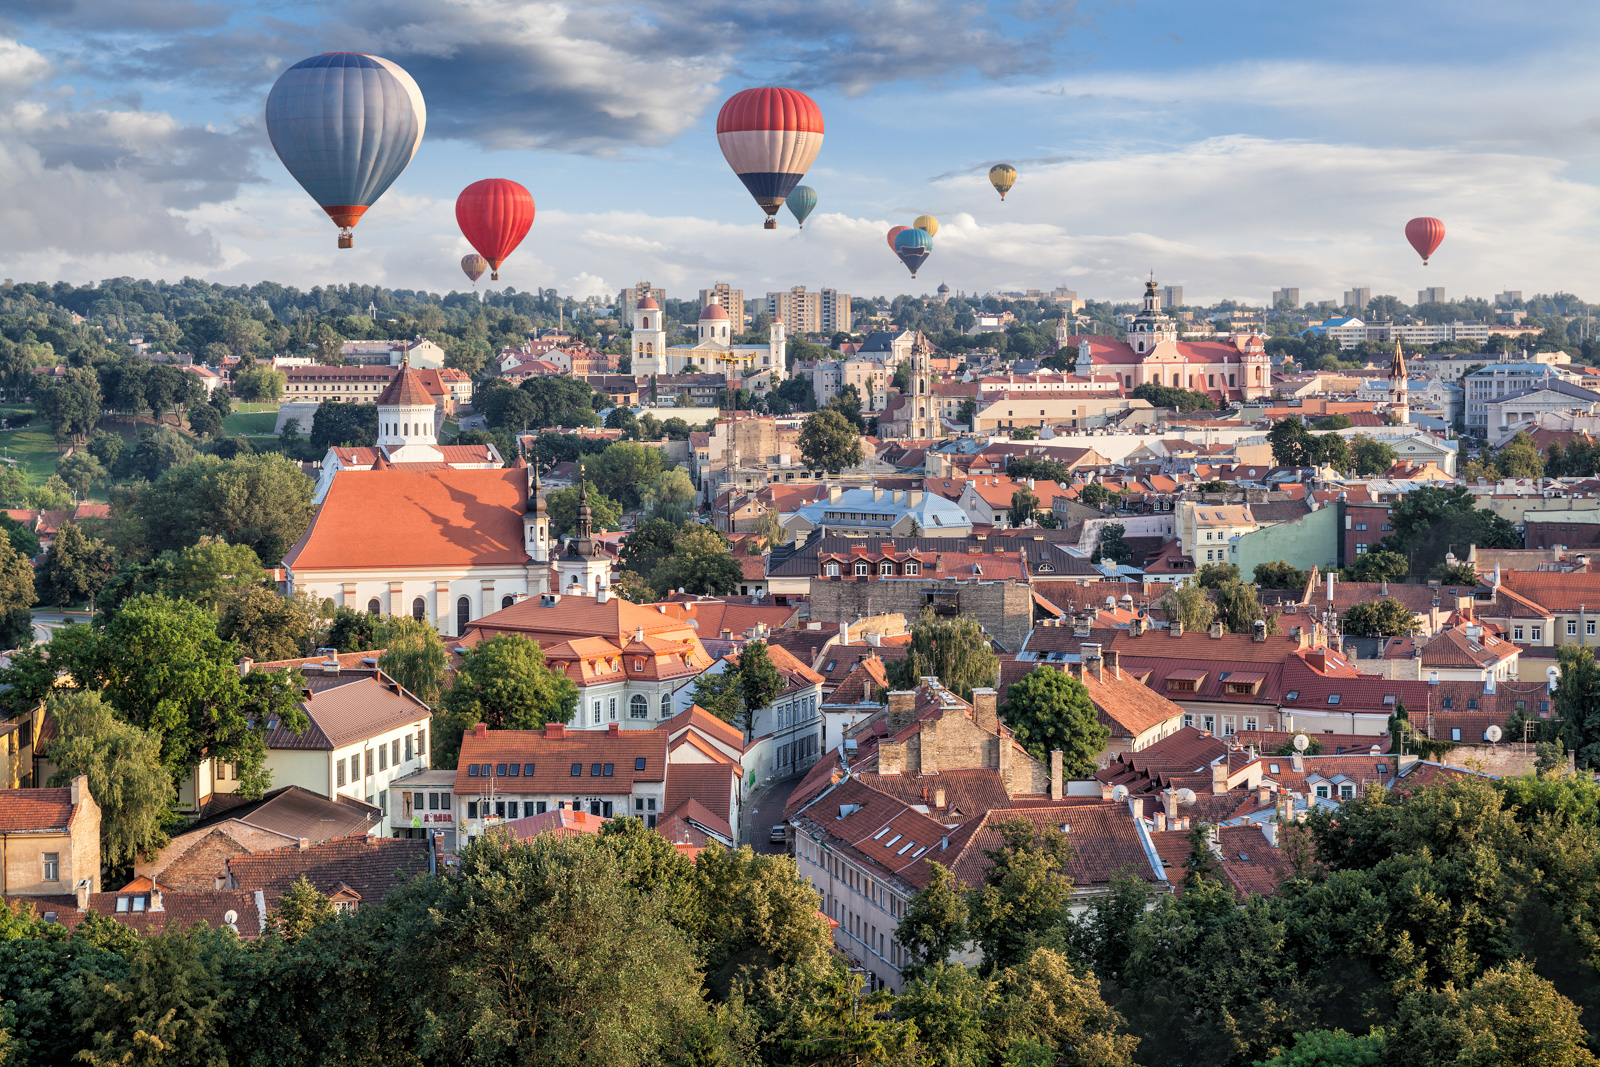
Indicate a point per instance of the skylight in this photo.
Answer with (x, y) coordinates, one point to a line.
(906, 848)
(880, 833)
(1333, 698)
(890, 843)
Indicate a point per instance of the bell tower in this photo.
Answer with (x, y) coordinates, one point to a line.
(1399, 389)
(649, 348)
(584, 568)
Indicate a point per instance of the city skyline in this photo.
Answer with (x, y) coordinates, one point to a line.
(1146, 137)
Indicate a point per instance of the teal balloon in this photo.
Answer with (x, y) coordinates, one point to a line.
(801, 202)
(913, 246)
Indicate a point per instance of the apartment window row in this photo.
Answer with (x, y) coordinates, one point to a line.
(378, 758)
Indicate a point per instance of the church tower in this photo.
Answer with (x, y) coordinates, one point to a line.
(778, 351)
(536, 519)
(1399, 390)
(649, 339)
(406, 431)
(1150, 327)
(584, 568)
(714, 327)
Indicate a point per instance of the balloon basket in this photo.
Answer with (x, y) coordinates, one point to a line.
(495, 276)
(347, 240)
(770, 224)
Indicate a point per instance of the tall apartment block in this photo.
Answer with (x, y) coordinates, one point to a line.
(826, 311)
(1358, 297)
(728, 299)
(629, 299)
(1434, 294)
(1291, 295)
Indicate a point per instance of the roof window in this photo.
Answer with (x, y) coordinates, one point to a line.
(577, 770)
(879, 835)
(514, 770)
(907, 847)
(1293, 694)
(527, 770)
(638, 763)
(594, 770)
(500, 770)
(472, 770)
(890, 843)
(1333, 698)
(610, 767)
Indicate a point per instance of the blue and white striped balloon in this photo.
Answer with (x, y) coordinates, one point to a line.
(345, 126)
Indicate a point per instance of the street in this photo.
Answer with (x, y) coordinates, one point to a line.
(766, 810)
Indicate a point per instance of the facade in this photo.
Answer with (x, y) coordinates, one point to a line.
(873, 512)
(1152, 353)
(826, 311)
(1496, 381)
(1530, 405)
(629, 299)
(786, 736)
(870, 378)
(418, 352)
(1434, 294)
(1291, 295)
(729, 299)
(1358, 298)
(713, 349)
(49, 840)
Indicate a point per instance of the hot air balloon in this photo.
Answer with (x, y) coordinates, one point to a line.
(801, 202)
(896, 232)
(473, 266)
(927, 224)
(1425, 235)
(913, 246)
(770, 137)
(345, 126)
(1002, 176)
(494, 214)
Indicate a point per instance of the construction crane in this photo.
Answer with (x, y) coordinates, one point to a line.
(732, 359)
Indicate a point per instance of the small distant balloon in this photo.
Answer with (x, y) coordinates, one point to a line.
(896, 232)
(1425, 234)
(474, 266)
(801, 202)
(927, 224)
(494, 215)
(1002, 176)
(913, 246)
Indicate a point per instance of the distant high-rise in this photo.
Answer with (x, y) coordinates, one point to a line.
(827, 311)
(1171, 296)
(1509, 297)
(728, 299)
(835, 311)
(1291, 295)
(1434, 294)
(629, 299)
(1358, 297)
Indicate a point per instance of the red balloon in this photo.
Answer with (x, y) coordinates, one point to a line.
(896, 232)
(494, 215)
(1425, 235)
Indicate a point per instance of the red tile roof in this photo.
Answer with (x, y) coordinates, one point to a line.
(1250, 863)
(406, 389)
(35, 810)
(553, 752)
(372, 866)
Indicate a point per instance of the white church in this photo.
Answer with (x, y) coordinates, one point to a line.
(713, 347)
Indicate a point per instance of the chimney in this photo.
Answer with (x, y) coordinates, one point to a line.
(638, 633)
(245, 663)
(986, 710)
(1161, 821)
(155, 898)
(602, 594)
(1175, 629)
(891, 756)
(480, 730)
(1055, 774)
(1331, 579)
(1497, 573)
(1258, 632)
(902, 709)
(1216, 629)
(1109, 656)
(83, 887)
(1105, 790)
(613, 730)
(80, 789)
(1219, 776)
(1136, 807)
(938, 799)
(304, 843)
(555, 730)
(1092, 663)
(1169, 801)
(1263, 795)
(1136, 626)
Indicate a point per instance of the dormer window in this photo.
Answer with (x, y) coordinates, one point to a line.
(886, 569)
(862, 569)
(832, 570)
(912, 567)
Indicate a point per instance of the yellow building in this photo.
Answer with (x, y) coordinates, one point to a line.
(49, 840)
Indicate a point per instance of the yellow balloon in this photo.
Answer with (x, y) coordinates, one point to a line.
(927, 224)
(1002, 176)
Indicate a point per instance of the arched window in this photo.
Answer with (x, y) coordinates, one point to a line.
(833, 570)
(1174, 381)
(647, 322)
(407, 425)
(507, 601)
(419, 609)
(912, 567)
(666, 705)
(862, 568)
(638, 707)
(886, 568)
(372, 606)
(463, 613)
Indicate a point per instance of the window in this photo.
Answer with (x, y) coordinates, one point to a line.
(594, 714)
(611, 707)
(394, 752)
(52, 866)
(861, 569)
(1346, 790)
(1472, 702)
(1516, 633)
(638, 763)
(527, 770)
(1449, 702)
(666, 705)
(433, 801)
(1361, 526)
(463, 613)
(833, 570)
(514, 770)
(577, 770)
(1322, 791)
(383, 802)
(1572, 627)
(594, 770)
(1455, 733)
(1333, 698)
(1588, 627)
(511, 809)
(1536, 633)
(1188, 719)
(422, 742)
(372, 606)
(1209, 723)
(1229, 724)
(419, 609)
(609, 768)
(541, 808)
(912, 567)
(408, 748)
(1250, 723)
(383, 757)
(472, 770)
(369, 763)
(338, 770)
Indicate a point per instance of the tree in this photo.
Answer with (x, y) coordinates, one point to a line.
(263, 501)
(671, 496)
(649, 545)
(75, 568)
(1508, 1016)
(503, 683)
(1216, 575)
(1291, 443)
(1370, 458)
(329, 345)
(1280, 575)
(722, 695)
(1166, 396)
(16, 597)
(1239, 609)
(82, 472)
(1049, 710)
(935, 922)
(300, 910)
(829, 441)
(1380, 565)
(1201, 865)
(212, 574)
(414, 656)
(173, 997)
(1519, 458)
(260, 384)
(1333, 422)
(843, 1026)
(71, 404)
(1333, 451)
(562, 507)
(22, 539)
(1113, 546)
(1459, 574)
(847, 403)
(1331, 1048)
(1026, 891)
(559, 400)
(342, 425)
(759, 681)
(623, 471)
(1049, 470)
(205, 420)
(701, 563)
(953, 649)
(1427, 522)
(160, 448)
(1380, 618)
(126, 775)
(1023, 505)
(1577, 704)
(1186, 605)
(264, 625)
(1050, 1013)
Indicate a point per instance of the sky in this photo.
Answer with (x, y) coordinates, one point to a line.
(1230, 147)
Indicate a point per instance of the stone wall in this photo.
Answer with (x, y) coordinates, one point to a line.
(1003, 609)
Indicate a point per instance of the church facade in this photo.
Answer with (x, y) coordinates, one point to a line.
(713, 348)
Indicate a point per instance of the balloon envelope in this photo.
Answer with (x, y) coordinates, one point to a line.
(770, 137)
(913, 246)
(801, 202)
(927, 224)
(1002, 176)
(345, 126)
(1425, 235)
(473, 266)
(494, 215)
(896, 232)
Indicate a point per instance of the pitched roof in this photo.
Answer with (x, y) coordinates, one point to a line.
(178, 908)
(1105, 843)
(1125, 705)
(1456, 648)
(1251, 864)
(372, 866)
(297, 813)
(551, 753)
(406, 389)
(35, 810)
(349, 706)
(431, 518)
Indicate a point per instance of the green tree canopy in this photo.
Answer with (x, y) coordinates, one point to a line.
(828, 440)
(1049, 709)
(953, 649)
(1380, 618)
(504, 683)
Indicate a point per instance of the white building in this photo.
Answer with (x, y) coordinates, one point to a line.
(713, 348)
(419, 352)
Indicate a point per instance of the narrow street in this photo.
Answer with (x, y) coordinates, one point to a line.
(765, 810)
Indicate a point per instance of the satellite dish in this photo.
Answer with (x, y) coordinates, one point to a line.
(1120, 793)
(1301, 742)
(1186, 796)
(1492, 734)
(230, 917)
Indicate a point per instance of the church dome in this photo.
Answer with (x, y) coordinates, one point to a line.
(714, 311)
(405, 389)
(649, 304)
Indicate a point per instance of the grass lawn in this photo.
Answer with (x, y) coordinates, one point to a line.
(258, 422)
(34, 449)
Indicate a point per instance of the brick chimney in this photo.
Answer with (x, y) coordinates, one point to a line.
(1109, 657)
(1055, 774)
(1090, 654)
(986, 710)
(1216, 630)
(1263, 795)
(554, 730)
(83, 888)
(245, 663)
(1175, 629)
(1136, 807)
(1219, 776)
(938, 799)
(891, 756)
(902, 709)
(613, 730)
(480, 730)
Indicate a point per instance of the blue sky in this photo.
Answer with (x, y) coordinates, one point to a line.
(1230, 147)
